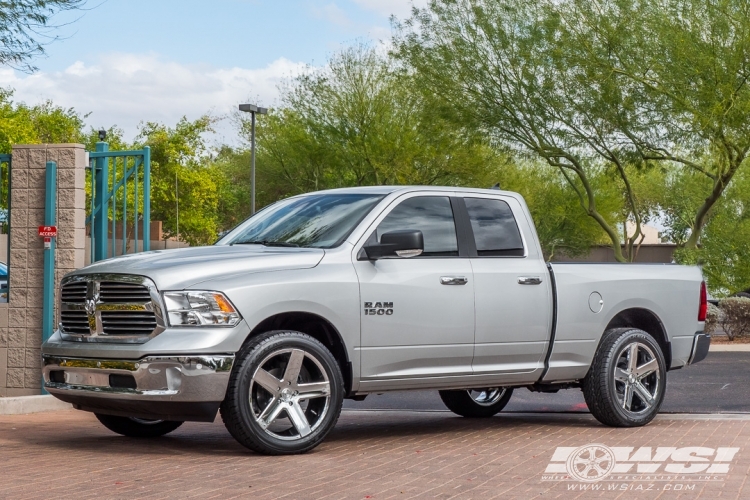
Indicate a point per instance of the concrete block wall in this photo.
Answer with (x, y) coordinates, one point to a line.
(21, 317)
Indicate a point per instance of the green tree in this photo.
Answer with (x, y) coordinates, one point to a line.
(38, 124)
(361, 121)
(183, 176)
(358, 122)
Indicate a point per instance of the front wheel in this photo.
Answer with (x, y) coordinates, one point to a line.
(285, 394)
(137, 427)
(477, 403)
(626, 382)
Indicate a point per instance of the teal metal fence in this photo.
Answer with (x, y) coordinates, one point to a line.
(5, 163)
(120, 201)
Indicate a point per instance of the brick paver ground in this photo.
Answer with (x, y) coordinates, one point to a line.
(378, 455)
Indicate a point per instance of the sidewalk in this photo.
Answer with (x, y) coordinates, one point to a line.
(738, 347)
(373, 454)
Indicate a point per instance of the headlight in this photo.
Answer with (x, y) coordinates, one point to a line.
(194, 308)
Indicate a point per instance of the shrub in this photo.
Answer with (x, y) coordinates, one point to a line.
(713, 319)
(735, 318)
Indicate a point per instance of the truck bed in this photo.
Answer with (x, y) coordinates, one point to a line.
(666, 295)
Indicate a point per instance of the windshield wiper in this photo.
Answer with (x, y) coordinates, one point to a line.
(266, 243)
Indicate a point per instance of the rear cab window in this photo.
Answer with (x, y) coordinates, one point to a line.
(496, 232)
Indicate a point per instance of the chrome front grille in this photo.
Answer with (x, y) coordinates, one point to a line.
(76, 322)
(110, 308)
(114, 291)
(74, 292)
(128, 322)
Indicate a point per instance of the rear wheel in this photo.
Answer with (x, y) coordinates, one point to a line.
(477, 403)
(137, 427)
(626, 382)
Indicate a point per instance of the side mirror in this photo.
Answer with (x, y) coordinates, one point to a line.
(407, 243)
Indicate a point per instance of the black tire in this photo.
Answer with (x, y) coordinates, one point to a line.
(605, 387)
(247, 398)
(742, 294)
(137, 427)
(467, 405)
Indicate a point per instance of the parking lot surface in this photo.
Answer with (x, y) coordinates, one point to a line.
(373, 454)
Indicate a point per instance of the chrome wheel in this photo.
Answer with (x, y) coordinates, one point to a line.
(290, 394)
(636, 378)
(486, 397)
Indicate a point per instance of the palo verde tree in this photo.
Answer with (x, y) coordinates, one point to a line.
(592, 86)
(25, 29)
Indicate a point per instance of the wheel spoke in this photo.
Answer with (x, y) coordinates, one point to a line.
(646, 369)
(293, 367)
(621, 375)
(298, 418)
(633, 358)
(267, 381)
(314, 389)
(643, 394)
(627, 400)
(270, 412)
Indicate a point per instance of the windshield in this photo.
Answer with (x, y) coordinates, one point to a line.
(317, 221)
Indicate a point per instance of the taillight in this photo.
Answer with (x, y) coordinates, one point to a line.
(703, 309)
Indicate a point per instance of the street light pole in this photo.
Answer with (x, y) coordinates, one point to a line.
(252, 109)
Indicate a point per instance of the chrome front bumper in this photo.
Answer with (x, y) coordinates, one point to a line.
(167, 387)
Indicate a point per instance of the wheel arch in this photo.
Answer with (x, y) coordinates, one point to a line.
(317, 327)
(649, 322)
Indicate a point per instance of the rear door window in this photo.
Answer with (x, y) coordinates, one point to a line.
(495, 230)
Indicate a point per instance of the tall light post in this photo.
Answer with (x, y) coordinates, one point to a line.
(253, 110)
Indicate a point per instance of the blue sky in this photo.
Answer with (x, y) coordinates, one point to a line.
(127, 61)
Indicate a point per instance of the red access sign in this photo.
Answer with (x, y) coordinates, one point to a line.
(48, 231)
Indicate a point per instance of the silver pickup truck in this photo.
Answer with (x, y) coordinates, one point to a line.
(342, 293)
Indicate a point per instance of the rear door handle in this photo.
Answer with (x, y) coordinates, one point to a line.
(453, 280)
(529, 280)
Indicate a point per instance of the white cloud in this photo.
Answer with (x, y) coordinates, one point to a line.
(126, 89)
(399, 8)
(334, 14)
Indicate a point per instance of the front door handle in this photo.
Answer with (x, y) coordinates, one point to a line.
(453, 280)
(529, 280)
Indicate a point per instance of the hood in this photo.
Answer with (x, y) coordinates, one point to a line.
(183, 267)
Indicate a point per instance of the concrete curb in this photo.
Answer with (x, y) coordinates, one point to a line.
(31, 404)
(729, 348)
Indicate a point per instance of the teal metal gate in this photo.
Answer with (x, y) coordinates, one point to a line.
(120, 193)
(5, 162)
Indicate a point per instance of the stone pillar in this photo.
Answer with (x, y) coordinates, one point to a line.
(21, 317)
